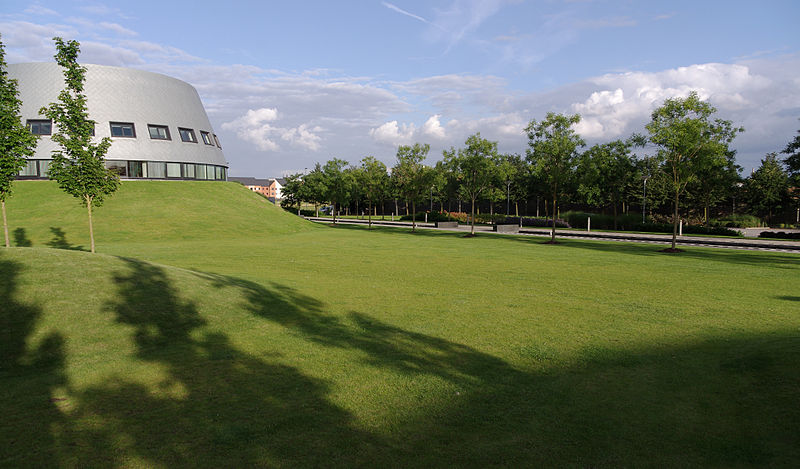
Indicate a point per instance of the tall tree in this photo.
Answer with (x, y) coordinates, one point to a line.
(792, 161)
(314, 188)
(375, 180)
(337, 184)
(768, 186)
(607, 170)
(79, 167)
(553, 153)
(16, 141)
(686, 136)
(714, 181)
(473, 169)
(412, 178)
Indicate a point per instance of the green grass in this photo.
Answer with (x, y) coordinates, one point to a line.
(216, 330)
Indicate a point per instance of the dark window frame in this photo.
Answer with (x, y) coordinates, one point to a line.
(217, 141)
(181, 130)
(206, 136)
(158, 126)
(122, 125)
(37, 122)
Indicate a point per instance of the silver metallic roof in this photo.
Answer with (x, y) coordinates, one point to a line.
(116, 94)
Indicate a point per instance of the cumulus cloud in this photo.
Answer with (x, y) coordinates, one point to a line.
(392, 133)
(433, 128)
(255, 126)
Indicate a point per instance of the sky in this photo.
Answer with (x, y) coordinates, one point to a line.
(288, 84)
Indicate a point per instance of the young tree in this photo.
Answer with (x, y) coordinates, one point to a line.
(472, 167)
(79, 167)
(337, 183)
(606, 172)
(687, 138)
(411, 178)
(375, 180)
(767, 187)
(553, 152)
(16, 141)
(314, 189)
(291, 192)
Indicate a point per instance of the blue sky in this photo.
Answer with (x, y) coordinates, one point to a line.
(288, 84)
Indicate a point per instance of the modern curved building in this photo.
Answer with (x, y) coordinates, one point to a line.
(157, 124)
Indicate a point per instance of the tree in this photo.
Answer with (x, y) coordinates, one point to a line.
(687, 138)
(79, 167)
(607, 170)
(337, 183)
(375, 180)
(16, 141)
(412, 178)
(472, 168)
(291, 192)
(792, 161)
(314, 188)
(767, 187)
(553, 152)
(714, 181)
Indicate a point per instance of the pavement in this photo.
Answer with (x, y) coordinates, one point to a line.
(649, 238)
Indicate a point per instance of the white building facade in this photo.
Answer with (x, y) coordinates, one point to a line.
(157, 124)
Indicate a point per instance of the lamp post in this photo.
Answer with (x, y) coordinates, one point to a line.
(508, 197)
(431, 199)
(644, 198)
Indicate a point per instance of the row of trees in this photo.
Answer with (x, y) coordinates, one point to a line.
(686, 160)
(79, 165)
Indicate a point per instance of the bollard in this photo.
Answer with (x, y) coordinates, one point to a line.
(680, 228)
(426, 217)
(392, 216)
(588, 223)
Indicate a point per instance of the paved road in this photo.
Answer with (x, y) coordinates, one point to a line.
(728, 243)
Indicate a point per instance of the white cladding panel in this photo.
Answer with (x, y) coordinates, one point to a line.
(116, 94)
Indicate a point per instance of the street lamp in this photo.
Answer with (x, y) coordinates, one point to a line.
(431, 200)
(644, 198)
(508, 197)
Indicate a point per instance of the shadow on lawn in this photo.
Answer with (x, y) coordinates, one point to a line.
(720, 402)
(59, 240)
(30, 370)
(21, 238)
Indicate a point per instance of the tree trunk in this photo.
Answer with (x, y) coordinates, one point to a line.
(413, 215)
(91, 225)
(615, 216)
(553, 232)
(369, 214)
(5, 222)
(334, 213)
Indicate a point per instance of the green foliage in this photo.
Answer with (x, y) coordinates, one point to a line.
(338, 184)
(605, 173)
(768, 186)
(688, 142)
(553, 153)
(473, 168)
(410, 177)
(79, 167)
(737, 220)
(16, 141)
(374, 180)
(792, 161)
(779, 234)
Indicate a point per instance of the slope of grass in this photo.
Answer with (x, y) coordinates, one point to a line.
(339, 346)
(40, 214)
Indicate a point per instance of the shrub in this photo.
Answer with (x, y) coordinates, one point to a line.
(737, 221)
(432, 217)
(779, 234)
(600, 221)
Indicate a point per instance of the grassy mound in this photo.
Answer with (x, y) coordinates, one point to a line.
(286, 344)
(40, 214)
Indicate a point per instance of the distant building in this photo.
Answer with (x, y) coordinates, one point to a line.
(269, 188)
(157, 124)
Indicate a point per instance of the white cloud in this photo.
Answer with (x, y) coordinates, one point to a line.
(392, 133)
(255, 127)
(433, 128)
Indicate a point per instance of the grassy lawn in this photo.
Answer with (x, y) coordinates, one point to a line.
(216, 330)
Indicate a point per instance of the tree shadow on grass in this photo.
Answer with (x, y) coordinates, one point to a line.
(29, 373)
(21, 238)
(59, 240)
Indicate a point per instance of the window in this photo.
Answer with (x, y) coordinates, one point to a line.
(173, 170)
(187, 135)
(40, 126)
(137, 169)
(31, 169)
(123, 129)
(188, 170)
(119, 167)
(44, 168)
(159, 132)
(217, 140)
(206, 137)
(156, 169)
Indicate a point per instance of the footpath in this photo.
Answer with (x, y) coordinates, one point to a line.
(651, 238)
